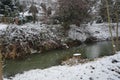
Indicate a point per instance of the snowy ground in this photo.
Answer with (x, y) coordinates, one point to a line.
(107, 68)
(99, 31)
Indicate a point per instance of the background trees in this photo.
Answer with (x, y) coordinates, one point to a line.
(8, 7)
(112, 10)
(9, 10)
(110, 13)
(72, 12)
(34, 11)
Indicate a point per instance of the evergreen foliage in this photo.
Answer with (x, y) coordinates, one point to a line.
(8, 7)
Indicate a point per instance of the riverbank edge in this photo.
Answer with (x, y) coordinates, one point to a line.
(76, 36)
(104, 68)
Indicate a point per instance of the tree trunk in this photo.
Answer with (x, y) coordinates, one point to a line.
(4, 19)
(117, 37)
(110, 28)
(1, 78)
(34, 17)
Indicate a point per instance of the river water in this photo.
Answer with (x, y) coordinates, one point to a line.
(52, 58)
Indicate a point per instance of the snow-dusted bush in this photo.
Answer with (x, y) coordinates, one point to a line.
(29, 38)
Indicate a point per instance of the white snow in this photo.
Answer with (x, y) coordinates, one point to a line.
(40, 13)
(3, 26)
(107, 68)
(77, 33)
(29, 30)
(99, 31)
(49, 3)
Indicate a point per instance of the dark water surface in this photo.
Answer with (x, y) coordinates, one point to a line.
(52, 58)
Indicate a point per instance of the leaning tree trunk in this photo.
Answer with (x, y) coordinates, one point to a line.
(110, 28)
(34, 17)
(117, 19)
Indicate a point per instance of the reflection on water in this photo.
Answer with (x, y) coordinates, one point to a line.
(99, 49)
(52, 58)
(93, 51)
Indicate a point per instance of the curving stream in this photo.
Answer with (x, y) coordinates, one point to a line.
(52, 58)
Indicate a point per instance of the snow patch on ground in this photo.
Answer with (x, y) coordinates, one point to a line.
(3, 26)
(78, 33)
(99, 31)
(107, 68)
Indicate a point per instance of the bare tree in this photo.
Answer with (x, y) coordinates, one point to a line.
(117, 21)
(72, 12)
(43, 5)
(49, 11)
(34, 11)
(110, 28)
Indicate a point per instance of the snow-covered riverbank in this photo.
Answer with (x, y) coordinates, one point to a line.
(54, 32)
(97, 31)
(36, 38)
(29, 38)
(107, 68)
